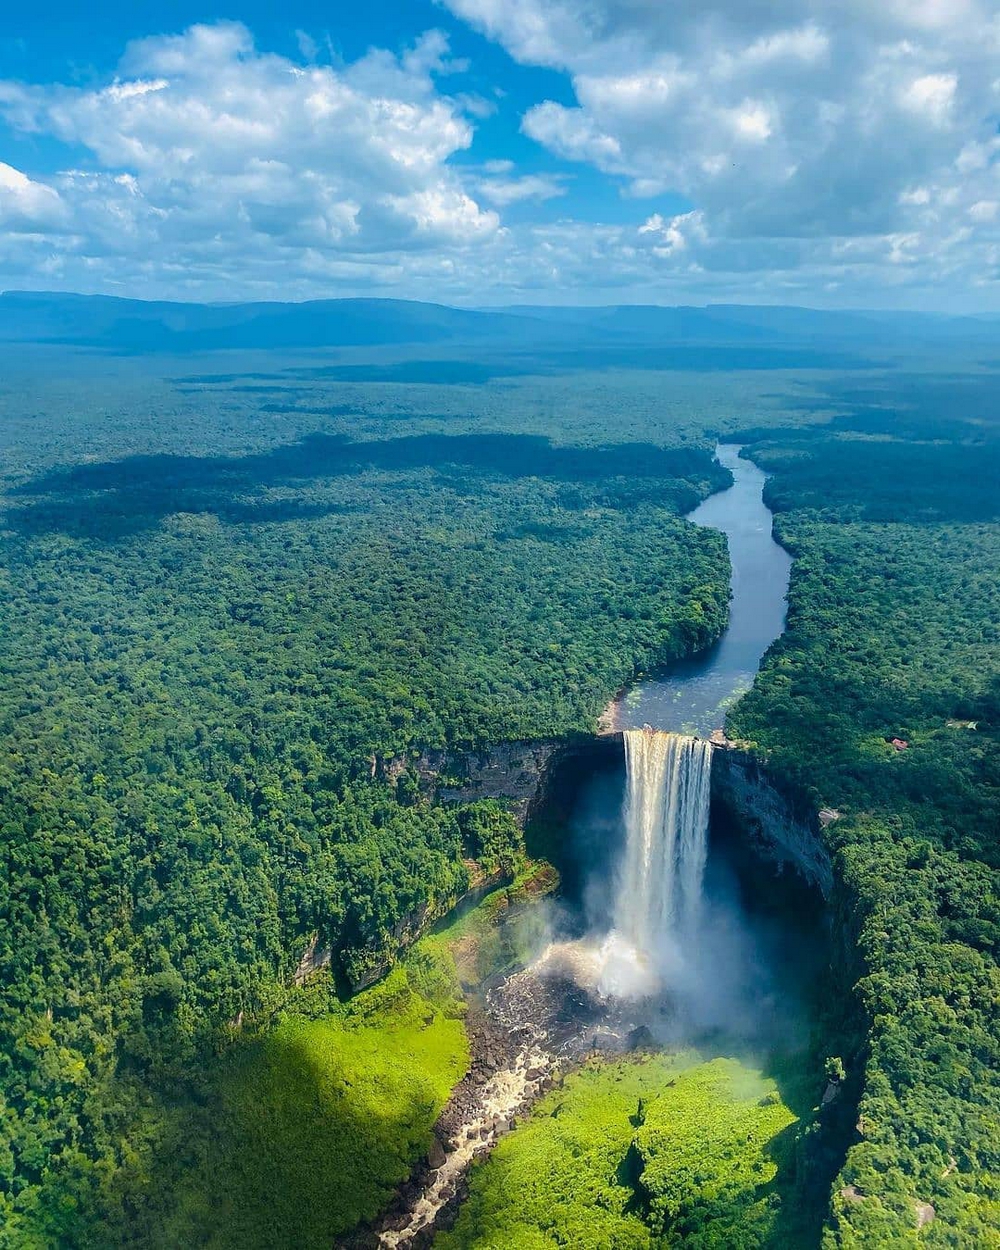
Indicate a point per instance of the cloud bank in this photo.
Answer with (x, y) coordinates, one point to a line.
(219, 164)
(848, 145)
(840, 154)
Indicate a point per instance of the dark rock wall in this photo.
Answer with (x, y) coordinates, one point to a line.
(769, 819)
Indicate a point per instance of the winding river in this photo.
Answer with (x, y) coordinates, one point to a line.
(530, 1010)
(695, 694)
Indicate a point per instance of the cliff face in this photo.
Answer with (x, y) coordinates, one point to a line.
(768, 818)
(363, 966)
(512, 771)
(532, 776)
(544, 777)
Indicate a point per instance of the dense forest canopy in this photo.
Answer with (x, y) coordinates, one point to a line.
(237, 585)
(212, 646)
(893, 635)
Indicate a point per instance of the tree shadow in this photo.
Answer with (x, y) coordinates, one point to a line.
(122, 497)
(271, 1142)
(126, 512)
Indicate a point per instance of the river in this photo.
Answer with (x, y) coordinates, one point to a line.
(532, 1007)
(695, 694)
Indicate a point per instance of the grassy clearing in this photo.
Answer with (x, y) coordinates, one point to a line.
(306, 1131)
(637, 1154)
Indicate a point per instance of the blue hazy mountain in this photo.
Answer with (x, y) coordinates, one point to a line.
(130, 325)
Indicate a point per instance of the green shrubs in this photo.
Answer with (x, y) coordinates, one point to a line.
(892, 632)
(717, 1158)
(641, 1153)
(295, 1137)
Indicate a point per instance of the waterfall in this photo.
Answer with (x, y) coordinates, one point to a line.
(666, 826)
(657, 906)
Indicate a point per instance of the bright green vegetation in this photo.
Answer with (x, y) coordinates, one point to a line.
(212, 649)
(500, 933)
(893, 632)
(307, 1131)
(242, 595)
(295, 1134)
(642, 1153)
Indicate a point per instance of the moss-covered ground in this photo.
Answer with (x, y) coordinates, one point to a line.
(308, 1130)
(639, 1153)
(305, 1131)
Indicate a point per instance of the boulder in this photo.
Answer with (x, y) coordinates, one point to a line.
(436, 1155)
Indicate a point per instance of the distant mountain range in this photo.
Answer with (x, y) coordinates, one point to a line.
(129, 325)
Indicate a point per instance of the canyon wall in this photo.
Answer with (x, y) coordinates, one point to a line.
(768, 818)
(543, 779)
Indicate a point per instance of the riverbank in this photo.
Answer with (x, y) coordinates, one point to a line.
(516, 1048)
(637, 1150)
(694, 695)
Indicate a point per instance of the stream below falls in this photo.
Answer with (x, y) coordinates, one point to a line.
(539, 1022)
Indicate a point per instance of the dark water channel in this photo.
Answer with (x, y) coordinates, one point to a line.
(764, 933)
(694, 695)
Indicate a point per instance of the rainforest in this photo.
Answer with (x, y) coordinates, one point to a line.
(329, 659)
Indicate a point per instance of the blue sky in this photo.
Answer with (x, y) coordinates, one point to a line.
(494, 151)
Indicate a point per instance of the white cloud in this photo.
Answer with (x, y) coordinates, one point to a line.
(27, 205)
(847, 148)
(572, 133)
(670, 236)
(984, 210)
(207, 153)
(752, 121)
(808, 44)
(932, 95)
(797, 120)
(918, 195)
(503, 190)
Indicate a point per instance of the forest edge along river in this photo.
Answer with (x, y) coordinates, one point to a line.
(694, 696)
(530, 1009)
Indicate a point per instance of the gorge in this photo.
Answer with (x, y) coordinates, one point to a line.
(657, 939)
(312, 827)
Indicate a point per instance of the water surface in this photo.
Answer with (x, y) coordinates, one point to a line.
(694, 695)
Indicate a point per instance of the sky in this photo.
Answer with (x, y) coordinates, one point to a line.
(835, 153)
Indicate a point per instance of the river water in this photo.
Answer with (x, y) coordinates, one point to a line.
(694, 696)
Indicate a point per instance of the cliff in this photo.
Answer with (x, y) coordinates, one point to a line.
(513, 772)
(768, 816)
(543, 778)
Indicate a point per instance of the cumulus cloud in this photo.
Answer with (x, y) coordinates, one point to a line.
(503, 190)
(823, 152)
(793, 120)
(27, 205)
(203, 148)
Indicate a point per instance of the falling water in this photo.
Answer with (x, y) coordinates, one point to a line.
(666, 825)
(659, 895)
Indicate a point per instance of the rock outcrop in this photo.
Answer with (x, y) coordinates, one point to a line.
(768, 817)
(511, 771)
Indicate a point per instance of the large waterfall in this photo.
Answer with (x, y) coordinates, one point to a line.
(666, 826)
(655, 916)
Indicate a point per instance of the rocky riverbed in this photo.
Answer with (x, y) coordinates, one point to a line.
(525, 1032)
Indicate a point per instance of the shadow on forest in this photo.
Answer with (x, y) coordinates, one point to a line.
(263, 1145)
(125, 496)
(599, 355)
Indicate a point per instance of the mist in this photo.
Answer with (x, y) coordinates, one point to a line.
(740, 975)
